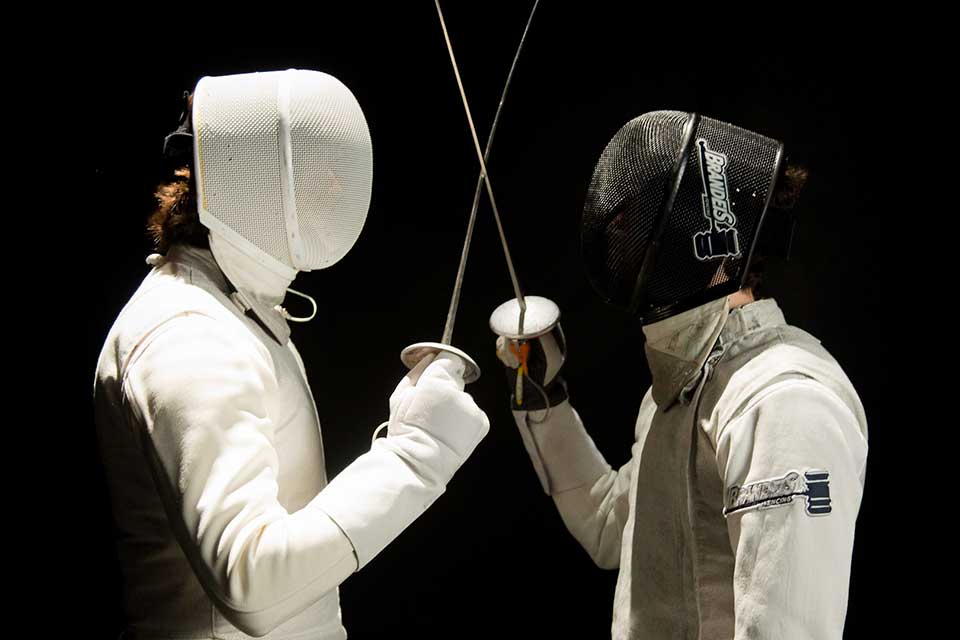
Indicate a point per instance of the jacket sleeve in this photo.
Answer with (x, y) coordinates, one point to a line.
(793, 469)
(199, 387)
(592, 498)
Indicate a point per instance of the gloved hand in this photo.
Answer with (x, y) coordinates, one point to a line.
(434, 426)
(538, 361)
(431, 398)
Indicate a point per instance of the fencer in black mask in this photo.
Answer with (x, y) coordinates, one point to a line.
(735, 516)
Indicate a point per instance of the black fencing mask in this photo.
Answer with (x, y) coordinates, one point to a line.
(674, 210)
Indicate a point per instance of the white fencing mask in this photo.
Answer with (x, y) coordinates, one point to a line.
(284, 166)
(284, 169)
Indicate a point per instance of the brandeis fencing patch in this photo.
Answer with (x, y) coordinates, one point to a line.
(813, 485)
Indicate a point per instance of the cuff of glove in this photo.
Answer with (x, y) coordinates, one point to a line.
(533, 398)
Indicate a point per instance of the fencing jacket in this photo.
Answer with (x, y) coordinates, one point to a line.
(212, 449)
(735, 516)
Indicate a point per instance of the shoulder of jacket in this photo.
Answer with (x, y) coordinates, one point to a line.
(782, 366)
(155, 307)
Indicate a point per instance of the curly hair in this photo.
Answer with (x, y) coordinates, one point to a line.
(789, 185)
(175, 218)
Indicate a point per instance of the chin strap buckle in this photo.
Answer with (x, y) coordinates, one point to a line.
(241, 301)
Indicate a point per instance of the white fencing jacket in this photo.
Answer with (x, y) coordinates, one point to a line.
(735, 516)
(211, 444)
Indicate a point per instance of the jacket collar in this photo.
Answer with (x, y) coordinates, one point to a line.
(680, 349)
(199, 260)
(678, 346)
(202, 260)
(761, 314)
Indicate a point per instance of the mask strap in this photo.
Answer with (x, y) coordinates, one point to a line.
(376, 432)
(283, 312)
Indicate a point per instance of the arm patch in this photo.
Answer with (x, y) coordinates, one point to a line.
(813, 485)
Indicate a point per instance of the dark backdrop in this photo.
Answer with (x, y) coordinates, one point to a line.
(492, 556)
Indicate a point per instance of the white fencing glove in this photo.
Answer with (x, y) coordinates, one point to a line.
(434, 426)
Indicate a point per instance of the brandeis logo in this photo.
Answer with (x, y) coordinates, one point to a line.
(813, 485)
(721, 239)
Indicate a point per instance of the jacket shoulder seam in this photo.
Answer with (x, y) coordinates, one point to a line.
(153, 333)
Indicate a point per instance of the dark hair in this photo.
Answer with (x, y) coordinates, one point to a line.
(790, 183)
(789, 186)
(175, 218)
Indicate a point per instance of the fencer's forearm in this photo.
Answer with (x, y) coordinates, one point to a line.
(596, 514)
(590, 496)
(286, 566)
(383, 491)
(562, 452)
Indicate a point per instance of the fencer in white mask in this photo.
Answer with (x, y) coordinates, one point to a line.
(735, 516)
(208, 432)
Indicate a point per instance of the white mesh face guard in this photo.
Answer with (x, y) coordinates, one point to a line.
(284, 166)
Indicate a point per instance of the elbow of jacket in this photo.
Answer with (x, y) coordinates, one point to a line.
(256, 630)
(254, 621)
(604, 549)
(605, 562)
(598, 548)
(603, 558)
(256, 606)
(253, 593)
(252, 624)
(254, 611)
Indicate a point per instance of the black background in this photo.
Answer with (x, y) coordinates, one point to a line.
(492, 557)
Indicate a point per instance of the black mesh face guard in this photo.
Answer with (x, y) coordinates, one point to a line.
(673, 211)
